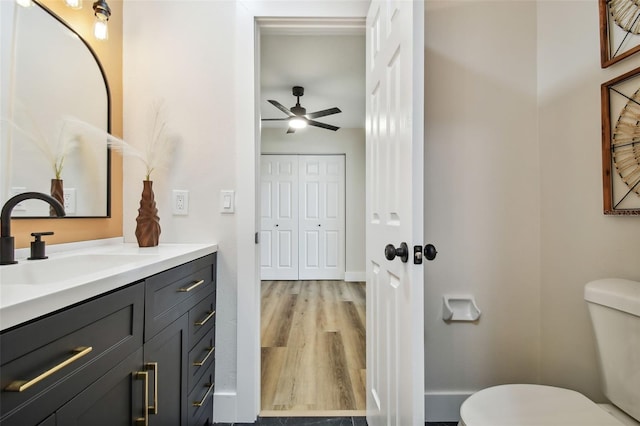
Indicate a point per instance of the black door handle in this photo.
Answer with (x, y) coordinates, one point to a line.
(390, 252)
(430, 251)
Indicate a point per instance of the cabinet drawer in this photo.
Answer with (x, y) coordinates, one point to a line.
(205, 417)
(201, 359)
(172, 293)
(114, 399)
(66, 351)
(202, 318)
(200, 396)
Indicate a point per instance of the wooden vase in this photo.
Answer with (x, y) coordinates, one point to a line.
(148, 222)
(57, 192)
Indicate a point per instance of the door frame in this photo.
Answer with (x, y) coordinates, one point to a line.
(243, 404)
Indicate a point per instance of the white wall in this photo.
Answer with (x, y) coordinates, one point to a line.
(514, 195)
(512, 179)
(199, 57)
(345, 141)
(579, 243)
(173, 51)
(482, 197)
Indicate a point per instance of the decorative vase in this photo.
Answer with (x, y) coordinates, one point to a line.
(57, 192)
(148, 222)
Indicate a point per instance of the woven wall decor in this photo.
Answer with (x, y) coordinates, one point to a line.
(619, 30)
(621, 144)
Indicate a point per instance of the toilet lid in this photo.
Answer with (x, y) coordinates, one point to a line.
(532, 405)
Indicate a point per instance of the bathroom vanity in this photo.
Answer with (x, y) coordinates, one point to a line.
(138, 348)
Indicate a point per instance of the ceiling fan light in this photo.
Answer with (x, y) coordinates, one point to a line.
(298, 123)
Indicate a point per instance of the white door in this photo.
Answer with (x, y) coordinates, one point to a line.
(302, 234)
(322, 217)
(394, 212)
(279, 217)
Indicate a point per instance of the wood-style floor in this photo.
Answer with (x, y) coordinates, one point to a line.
(313, 347)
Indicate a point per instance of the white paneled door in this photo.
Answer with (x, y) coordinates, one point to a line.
(279, 218)
(314, 221)
(321, 216)
(394, 212)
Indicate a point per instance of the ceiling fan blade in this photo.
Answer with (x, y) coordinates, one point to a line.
(291, 130)
(323, 125)
(281, 107)
(323, 113)
(275, 119)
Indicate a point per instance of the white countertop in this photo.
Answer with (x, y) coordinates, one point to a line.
(20, 302)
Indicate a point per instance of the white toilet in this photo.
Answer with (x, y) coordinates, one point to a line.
(614, 305)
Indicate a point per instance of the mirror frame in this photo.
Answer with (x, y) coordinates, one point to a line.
(37, 3)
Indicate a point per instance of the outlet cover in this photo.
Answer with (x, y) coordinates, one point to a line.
(69, 198)
(180, 202)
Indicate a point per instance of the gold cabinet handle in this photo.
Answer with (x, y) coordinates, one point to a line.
(191, 287)
(144, 420)
(206, 357)
(153, 409)
(205, 319)
(204, 398)
(22, 385)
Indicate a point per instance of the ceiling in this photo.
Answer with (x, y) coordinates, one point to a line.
(330, 67)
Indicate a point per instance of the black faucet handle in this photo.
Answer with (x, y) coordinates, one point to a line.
(37, 245)
(40, 234)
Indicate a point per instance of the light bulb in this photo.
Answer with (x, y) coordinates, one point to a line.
(74, 4)
(100, 29)
(25, 3)
(298, 123)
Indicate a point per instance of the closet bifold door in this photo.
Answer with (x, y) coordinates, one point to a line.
(302, 217)
(279, 217)
(321, 217)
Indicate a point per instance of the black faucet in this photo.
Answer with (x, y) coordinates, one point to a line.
(7, 254)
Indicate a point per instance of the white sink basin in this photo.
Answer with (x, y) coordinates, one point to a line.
(48, 271)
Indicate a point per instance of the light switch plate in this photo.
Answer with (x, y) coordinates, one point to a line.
(227, 201)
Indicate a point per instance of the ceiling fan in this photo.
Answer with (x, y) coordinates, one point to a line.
(297, 116)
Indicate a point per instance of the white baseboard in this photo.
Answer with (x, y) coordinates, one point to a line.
(353, 276)
(224, 407)
(444, 406)
(439, 407)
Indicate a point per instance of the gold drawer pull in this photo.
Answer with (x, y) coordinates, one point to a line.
(204, 321)
(22, 385)
(154, 366)
(206, 357)
(144, 420)
(204, 398)
(191, 287)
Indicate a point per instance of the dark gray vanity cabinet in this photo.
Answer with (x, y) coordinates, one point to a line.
(48, 361)
(179, 317)
(140, 355)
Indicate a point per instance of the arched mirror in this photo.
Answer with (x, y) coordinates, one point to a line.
(55, 114)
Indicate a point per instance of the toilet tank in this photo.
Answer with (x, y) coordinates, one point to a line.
(614, 305)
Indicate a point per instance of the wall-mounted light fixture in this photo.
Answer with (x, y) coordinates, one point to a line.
(102, 12)
(74, 4)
